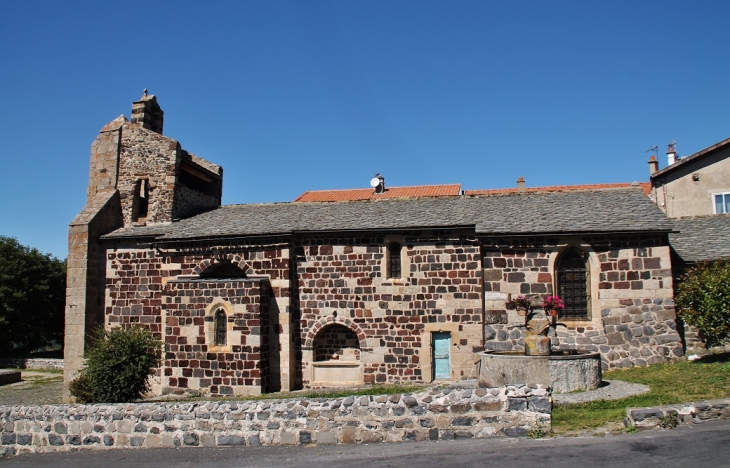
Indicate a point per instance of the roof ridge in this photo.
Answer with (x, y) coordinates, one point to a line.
(387, 188)
(561, 188)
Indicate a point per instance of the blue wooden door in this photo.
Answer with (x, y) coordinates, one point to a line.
(441, 355)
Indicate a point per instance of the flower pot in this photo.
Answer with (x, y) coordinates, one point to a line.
(553, 312)
(521, 311)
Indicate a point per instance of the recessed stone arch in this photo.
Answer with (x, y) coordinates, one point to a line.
(336, 369)
(336, 342)
(320, 324)
(573, 246)
(233, 259)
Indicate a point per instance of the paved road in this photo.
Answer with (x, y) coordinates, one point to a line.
(705, 445)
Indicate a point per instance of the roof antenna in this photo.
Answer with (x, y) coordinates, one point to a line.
(654, 149)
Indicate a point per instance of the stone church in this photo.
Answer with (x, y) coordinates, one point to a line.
(392, 285)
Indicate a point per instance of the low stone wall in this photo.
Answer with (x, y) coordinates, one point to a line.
(669, 416)
(438, 413)
(21, 363)
(9, 376)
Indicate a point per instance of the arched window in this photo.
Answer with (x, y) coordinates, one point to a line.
(221, 328)
(394, 264)
(572, 275)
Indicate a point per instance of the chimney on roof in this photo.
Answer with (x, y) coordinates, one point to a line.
(653, 164)
(147, 113)
(520, 185)
(671, 153)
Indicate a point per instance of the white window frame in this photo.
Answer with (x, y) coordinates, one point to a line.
(726, 205)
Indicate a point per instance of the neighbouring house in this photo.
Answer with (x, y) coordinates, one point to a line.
(695, 185)
(381, 285)
(694, 191)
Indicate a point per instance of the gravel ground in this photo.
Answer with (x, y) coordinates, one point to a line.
(46, 387)
(609, 390)
(38, 387)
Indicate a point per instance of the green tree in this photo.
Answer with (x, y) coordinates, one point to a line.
(32, 297)
(703, 301)
(118, 365)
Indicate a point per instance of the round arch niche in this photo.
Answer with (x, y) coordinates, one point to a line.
(336, 352)
(336, 342)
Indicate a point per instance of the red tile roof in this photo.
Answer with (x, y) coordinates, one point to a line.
(645, 186)
(390, 192)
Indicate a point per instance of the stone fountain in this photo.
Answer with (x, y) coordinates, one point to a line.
(564, 371)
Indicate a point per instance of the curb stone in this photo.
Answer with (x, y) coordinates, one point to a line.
(681, 413)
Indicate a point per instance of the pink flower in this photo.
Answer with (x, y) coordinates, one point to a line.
(552, 302)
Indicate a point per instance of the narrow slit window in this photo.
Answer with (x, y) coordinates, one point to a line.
(221, 328)
(394, 263)
(141, 200)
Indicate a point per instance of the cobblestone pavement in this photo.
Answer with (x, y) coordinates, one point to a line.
(609, 390)
(37, 388)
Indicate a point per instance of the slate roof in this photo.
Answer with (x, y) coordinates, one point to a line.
(591, 211)
(701, 237)
(370, 194)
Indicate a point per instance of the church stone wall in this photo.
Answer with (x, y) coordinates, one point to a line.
(343, 280)
(632, 319)
(189, 202)
(192, 358)
(140, 281)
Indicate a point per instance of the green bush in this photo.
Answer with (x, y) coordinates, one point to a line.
(703, 301)
(118, 365)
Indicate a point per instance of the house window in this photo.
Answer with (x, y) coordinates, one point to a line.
(572, 276)
(721, 202)
(394, 263)
(221, 328)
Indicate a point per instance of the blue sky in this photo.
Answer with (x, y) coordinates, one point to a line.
(305, 95)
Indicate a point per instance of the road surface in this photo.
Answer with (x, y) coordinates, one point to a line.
(704, 445)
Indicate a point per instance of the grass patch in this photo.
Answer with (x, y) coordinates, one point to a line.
(373, 390)
(43, 381)
(670, 383)
(323, 393)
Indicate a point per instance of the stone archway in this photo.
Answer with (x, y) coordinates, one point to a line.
(336, 342)
(309, 338)
(235, 260)
(333, 349)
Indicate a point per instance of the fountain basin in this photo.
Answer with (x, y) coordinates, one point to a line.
(564, 371)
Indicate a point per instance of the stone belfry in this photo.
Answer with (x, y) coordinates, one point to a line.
(147, 113)
(137, 176)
